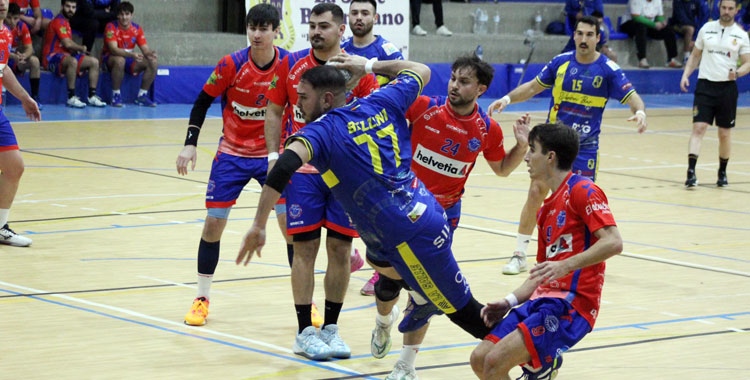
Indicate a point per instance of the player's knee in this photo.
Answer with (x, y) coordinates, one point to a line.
(468, 318)
(34, 62)
(117, 63)
(477, 359)
(387, 289)
(13, 170)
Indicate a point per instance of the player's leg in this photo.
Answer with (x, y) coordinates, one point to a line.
(537, 192)
(503, 356)
(640, 34)
(386, 290)
(148, 67)
(91, 64)
(280, 209)
(725, 120)
(704, 112)
(68, 66)
(670, 43)
(116, 66)
(11, 169)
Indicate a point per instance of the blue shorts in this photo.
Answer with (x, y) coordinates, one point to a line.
(587, 164)
(7, 137)
(229, 175)
(454, 215)
(310, 205)
(550, 326)
(46, 13)
(129, 64)
(54, 62)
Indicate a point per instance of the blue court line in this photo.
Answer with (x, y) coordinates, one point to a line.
(214, 340)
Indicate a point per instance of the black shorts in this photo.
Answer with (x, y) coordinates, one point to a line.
(715, 101)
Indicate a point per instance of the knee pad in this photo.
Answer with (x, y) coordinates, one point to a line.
(307, 236)
(338, 235)
(469, 319)
(387, 289)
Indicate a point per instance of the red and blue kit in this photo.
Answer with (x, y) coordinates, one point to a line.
(7, 137)
(127, 39)
(54, 52)
(21, 37)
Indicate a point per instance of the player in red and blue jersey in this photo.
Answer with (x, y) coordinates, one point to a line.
(309, 202)
(121, 37)
(363, 150)
(560, 300)
(22, 56)
(582, 82)
(33, 15)
(241, 79)
(11, 162)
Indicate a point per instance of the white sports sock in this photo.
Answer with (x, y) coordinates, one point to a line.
(4, 216)
(142, 92)
(409, 354)
(204, 285)
(522, 242)
(384, 320)
(115, 92)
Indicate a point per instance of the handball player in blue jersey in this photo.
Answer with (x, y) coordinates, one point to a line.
(363, 151)
(582, 82)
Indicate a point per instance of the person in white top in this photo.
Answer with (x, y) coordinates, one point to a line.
(645, 18)
(718, 46)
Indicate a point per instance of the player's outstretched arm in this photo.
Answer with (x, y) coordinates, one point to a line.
(514, 157)
(29, 105)
(638, 108)
(519, 94)
(359, 66)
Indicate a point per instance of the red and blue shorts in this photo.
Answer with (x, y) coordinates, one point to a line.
(229, 175)
(55, 62)
(129, 64)
(311, 205)
(587, 164)
(7, 137)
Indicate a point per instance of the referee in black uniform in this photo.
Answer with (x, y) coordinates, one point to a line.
(718, 46)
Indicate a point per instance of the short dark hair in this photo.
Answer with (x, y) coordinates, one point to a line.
(558, 138)
(14, 10)
(372, 2)
(597, 14)
(263, 14)
(325, 78)
(336, 11)
(125, 6)
(591, 20)
(62, 2)
(483, 70)
(736, 2)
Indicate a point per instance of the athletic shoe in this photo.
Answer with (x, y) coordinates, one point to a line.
(308, 344)
(116, 100)
(443, 31)
(368, 289)
(516, 265)
(96, 101)
(722, 180)
(548, 373)
(10, 237)
(356, 261)
(417, 316)
(317, 319)
(380, 343)
(674, 64)
(198, 312)
(692, 180)
(144, 101)
(418, 31)
(330, 336)
(643, 63)
(75, 102)
(402, 371)
(38, 103)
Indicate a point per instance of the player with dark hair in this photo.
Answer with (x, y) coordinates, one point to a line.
(22, 56)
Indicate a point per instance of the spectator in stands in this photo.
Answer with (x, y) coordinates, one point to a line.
(686, 16)
(437, 9)
(91, 17)
(22, 56)
(645, 18)
(119, 55)
(33, 15)
(66, 58)
(601, 46)
(575, 9)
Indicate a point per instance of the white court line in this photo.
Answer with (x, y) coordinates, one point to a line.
(118, 213)
(736, 329)
(626, 254)
(146, 217)
(177, 222)
(187, 286)
(705, 322)
(179, 325)
(108, 197)
(88, 209)
(670, 314)
(57, 205)
(232, 232)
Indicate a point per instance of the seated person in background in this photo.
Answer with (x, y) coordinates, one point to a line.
(33, 15)
(645, 18)
(601, 46)
(22, 56)
(66, 58)
(91, 17)
(120, 39)
(575, 9)
(686, 16)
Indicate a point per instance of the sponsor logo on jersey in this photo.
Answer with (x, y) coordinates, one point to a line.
(416, 212)
(561, 219)
(551, 323)
(298, 114)
(273, 82)
(440, 164)
(212, 79)
(434, 130)
(389, 48)
(456, 129)
(475, 144)
(295, 211)
(597, 206)
(432, 113)
(563, 244)
(248, 113)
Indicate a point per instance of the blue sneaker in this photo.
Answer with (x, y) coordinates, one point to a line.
(545, 373)
(417, 315)
(116, 100)
(308, 344)
(144, 101)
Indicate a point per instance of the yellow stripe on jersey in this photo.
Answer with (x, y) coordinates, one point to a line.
(557, 91)
(627, 96)
(330, 179)
(581, 99)
(542, 84)
(303, 140)
(423, 279)
(415, 76)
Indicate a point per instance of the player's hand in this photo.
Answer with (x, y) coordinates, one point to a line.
(31, 109)
(498, 105)
(253, 242)
(138, 57)
(188, 154)
(549, 270)
(151, 55)
(494, 312)
(659, 25)
(640, 119)
(732, 74)
(521, 130)
(684, 84)
(353, 63)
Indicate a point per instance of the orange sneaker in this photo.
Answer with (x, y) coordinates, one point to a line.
(317, 319)
(198, 312)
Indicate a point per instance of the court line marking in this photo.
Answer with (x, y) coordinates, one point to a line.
(187, 286)
(329, 366)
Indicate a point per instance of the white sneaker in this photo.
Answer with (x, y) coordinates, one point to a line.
(402, 371)
(643, 63)
(96, 101)
(418, 31)
(308, 344)
(443, 31)
(380, 343)
(75, 102)
(516, 265)
(330, 336)
(10, 237)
